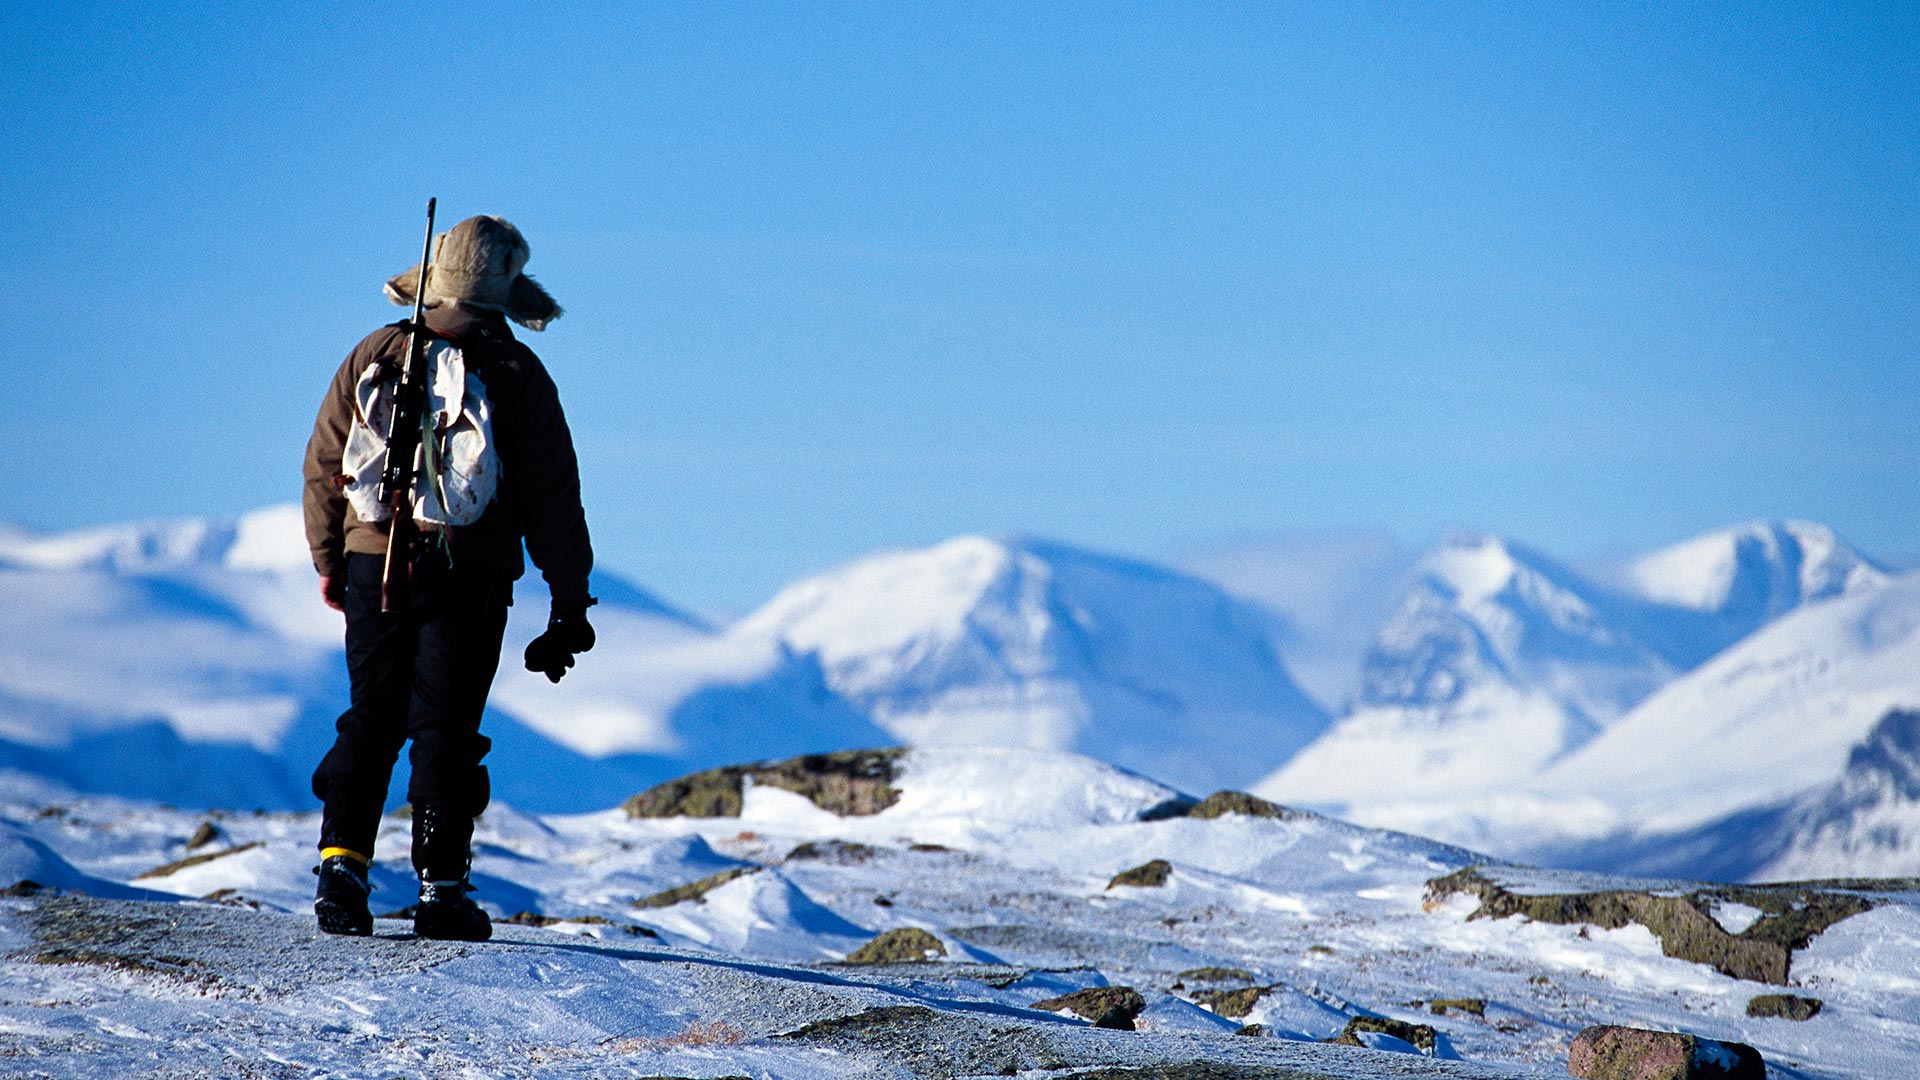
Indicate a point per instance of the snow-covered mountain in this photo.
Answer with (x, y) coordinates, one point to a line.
(1766, 718)
(1498, 662)
(194, 662)
(1734, 581)
(1807, 646)
(1027, 643)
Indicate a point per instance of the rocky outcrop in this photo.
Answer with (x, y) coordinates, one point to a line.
(1148, 875)
(1215, 975)
(1419, 1036)
(1791, 916)
(850, 783)
(906, 945)
(694, 890)
(1233, 1004)
(1784, 1006)
(1623, 1053)
(1113, 1007)
(1220, 804)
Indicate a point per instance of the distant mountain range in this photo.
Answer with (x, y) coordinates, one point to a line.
(1678, 706)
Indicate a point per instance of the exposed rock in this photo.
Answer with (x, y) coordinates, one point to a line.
(1222, 803)
(196, 860)
(202, 836)
(1443, 1006)
(1216, 975)
(1258, 1031)
(694, 890)
(1113, 1007)
(1148, 875)
(1784, 1006)
(906, 945)
(1232, 1004)
(23, 887)
(1419, 1036)
(850, 783)
(1792, 915)
(1623, 1053)
(838, 851)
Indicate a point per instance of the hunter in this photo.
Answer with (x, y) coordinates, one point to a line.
(499, 471)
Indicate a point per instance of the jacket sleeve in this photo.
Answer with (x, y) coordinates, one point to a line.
(543, 478)
(322, 504)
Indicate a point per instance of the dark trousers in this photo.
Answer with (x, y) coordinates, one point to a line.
(423, 674)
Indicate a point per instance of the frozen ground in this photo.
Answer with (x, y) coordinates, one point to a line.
(1003, 855)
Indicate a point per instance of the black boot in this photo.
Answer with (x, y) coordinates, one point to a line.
(443, 857)
(340, 901)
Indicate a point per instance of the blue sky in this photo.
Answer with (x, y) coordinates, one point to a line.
(1135, 276)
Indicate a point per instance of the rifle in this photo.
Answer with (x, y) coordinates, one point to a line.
(401, 471)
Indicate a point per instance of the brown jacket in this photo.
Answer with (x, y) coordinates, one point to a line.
(539, 494)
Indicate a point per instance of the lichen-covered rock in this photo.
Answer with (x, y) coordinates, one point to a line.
(694, 890)
(1215, 975)
(1419, 1036)
(1222, 803)
(1148, 875)
(837, 851)
(1791, 916)
(1232, 1004)
(1113, 1007)
(850, 783)
(906, 945)
(1784, 1006)
(1623, 1053)
(1443, 1006)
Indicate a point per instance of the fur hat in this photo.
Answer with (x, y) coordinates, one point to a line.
(478, 263)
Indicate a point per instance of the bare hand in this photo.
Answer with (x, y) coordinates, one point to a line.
(333, 590)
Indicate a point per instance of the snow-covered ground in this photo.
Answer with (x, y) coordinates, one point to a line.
(1004, 855)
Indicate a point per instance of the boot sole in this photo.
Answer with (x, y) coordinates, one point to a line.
(460, 929)
(335, 919)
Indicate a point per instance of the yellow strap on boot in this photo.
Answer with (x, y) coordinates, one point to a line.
(329, 852)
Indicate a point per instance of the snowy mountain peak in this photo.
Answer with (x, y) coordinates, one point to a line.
(1753, 571)
(1029, 642)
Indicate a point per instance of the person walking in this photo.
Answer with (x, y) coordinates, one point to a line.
(499, 474)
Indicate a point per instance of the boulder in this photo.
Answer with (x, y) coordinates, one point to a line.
(1784, 1006)
(850, 783)
(1419, 1036)
(1222, 803)
(694, 890)
(1623, 1053)
(1215, 975)
(906, 945)
(1148, 875)
(1113, 1007)
(1232, 1004)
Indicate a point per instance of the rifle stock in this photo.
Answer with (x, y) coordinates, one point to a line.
(401, 471)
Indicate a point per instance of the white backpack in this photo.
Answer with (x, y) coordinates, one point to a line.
(462, 469)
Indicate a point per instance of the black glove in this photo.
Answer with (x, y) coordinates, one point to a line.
(568, 632)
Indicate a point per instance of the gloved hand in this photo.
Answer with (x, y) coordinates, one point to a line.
(568, 632)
